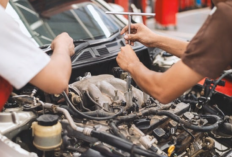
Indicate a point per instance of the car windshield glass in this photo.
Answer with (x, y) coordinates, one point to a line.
(82, 21)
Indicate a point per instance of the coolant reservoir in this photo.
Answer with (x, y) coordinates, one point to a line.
(47, 132)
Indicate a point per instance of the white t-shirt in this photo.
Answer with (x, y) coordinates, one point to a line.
(20, 59)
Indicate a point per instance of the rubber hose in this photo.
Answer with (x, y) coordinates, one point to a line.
(125, 154)
(209, 109)
(122, 144)
(189, 101)
(211, 118)
(219, 110)
(101, 113)
(116, 131)
(216, 83)
(104, 150)
(227, 128)
(227, 154)
(127, 118)
(97, 113)
(177, 119)
(86, 116)
(87, 93)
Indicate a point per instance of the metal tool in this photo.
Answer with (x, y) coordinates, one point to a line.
(129, 93)
(130, 14)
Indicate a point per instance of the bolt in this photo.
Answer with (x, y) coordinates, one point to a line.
(116, 92)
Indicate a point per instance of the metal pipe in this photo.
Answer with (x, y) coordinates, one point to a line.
(69, 118)
(130, 13)
(67, 115)
(129, 27)
(129, 93)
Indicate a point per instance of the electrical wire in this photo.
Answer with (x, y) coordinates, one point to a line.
(90, 117)
(188, 132)
(219, 110)
(222, 150)
(216, 83)
(186, 124)
(87, 93)
(83, 106)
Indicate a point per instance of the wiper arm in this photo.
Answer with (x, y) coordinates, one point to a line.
(46, 48)
(117, 32)
(79, 41)
(78, 48)
(79, 45)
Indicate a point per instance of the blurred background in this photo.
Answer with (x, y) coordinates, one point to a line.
(42, 20)
(177, 18)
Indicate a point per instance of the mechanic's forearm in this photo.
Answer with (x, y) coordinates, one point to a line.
(171, 45)
(62, 61)
(54, 77)
(147, 80)
(166, 86)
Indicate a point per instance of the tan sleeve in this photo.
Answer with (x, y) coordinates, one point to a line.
(210, 51)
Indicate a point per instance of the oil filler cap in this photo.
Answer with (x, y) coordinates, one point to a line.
(48, 119)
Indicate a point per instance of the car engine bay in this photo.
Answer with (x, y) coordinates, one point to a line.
(104, 115)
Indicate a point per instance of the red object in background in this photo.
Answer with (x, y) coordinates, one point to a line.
(188, 3)
(144, 6)
(209, 3)
(166, 12)
(227, 89)
(5, 90)
(124, 4)
(182, 5)
(203, 2)
(206, 3)
(192, 3)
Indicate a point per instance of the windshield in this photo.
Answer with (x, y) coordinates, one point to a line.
(82, 21)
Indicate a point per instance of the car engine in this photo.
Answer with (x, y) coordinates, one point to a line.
(109, 116)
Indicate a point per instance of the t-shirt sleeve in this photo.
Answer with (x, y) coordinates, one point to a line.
(210, 51)
(20, 59)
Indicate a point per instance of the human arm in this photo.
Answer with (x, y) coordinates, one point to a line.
(22, 62)
(208, 54)
(140, 33)
(54, 77)
(165, 87)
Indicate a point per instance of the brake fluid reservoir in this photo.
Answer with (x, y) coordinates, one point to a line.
(47, 132)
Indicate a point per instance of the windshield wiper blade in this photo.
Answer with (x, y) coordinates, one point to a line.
(78, 48)
(117, 32)
(81, 46)
(79, 41)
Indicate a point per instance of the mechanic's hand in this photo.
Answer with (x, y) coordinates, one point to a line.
(140, 33)
(127, 58)
(65, 42)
